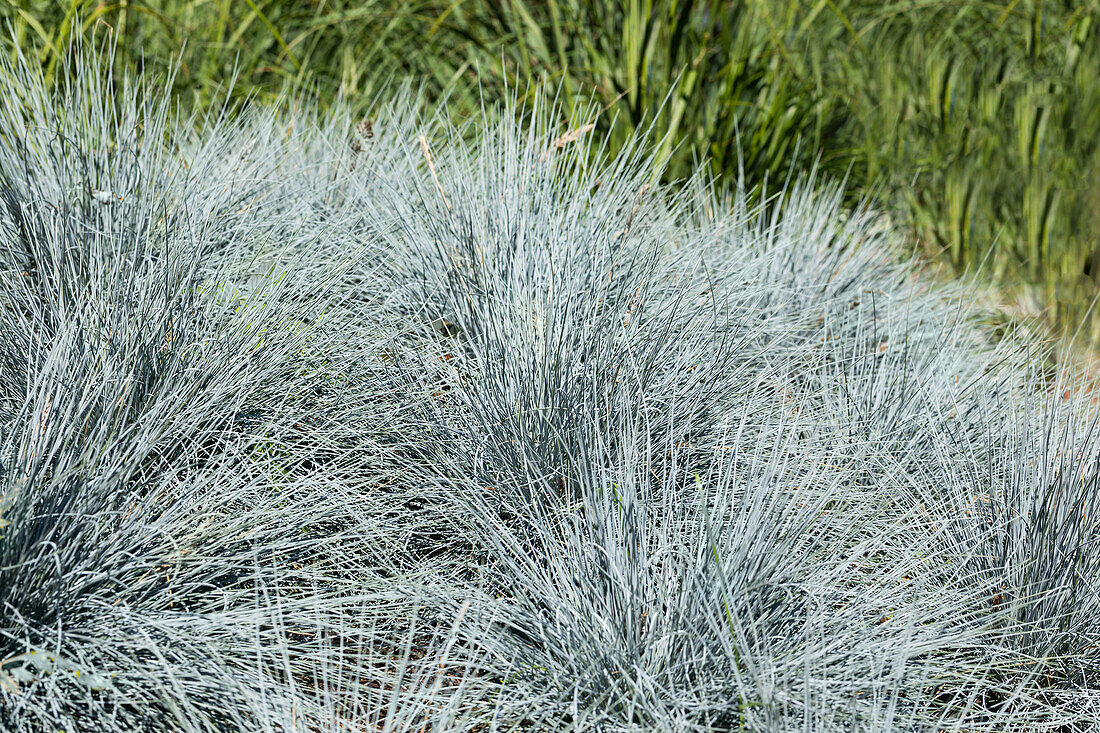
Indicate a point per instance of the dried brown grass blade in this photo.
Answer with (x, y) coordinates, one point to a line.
(431, 169)
(569, 136)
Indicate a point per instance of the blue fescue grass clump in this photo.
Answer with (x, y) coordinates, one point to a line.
(331, 426)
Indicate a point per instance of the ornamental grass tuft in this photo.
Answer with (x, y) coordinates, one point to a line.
(318, 423)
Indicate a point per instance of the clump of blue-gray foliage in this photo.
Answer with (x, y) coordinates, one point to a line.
(310, 425)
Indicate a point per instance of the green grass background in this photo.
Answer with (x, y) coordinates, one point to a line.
(976, 124)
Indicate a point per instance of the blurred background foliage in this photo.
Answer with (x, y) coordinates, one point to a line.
(976, 124)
